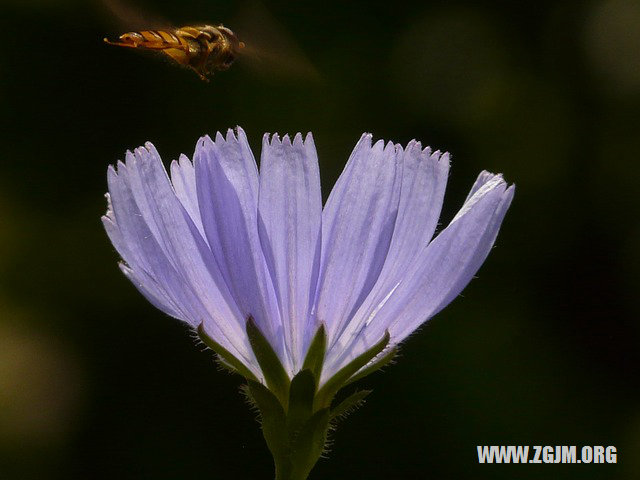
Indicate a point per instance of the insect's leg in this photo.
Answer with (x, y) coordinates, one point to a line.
(202, 76)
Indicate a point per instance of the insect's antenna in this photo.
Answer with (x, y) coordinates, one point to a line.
(267, 41)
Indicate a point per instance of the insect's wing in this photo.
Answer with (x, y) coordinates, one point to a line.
(177, 55)
(271, 51)
(126, 16)
(123, 15)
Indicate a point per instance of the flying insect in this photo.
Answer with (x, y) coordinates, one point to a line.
(204, 49)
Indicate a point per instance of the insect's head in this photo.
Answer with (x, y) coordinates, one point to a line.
(236, 44)
(226, 47)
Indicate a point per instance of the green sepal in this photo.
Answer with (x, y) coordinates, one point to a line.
(273, 419)
(349, 404)
(301, 394)
(309, 444)
(274, 373)
(223, 365)
(335, 383)
(383, 361)
(315, 355)
(226, 356)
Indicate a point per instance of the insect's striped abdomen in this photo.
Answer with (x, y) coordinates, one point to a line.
(151, 39)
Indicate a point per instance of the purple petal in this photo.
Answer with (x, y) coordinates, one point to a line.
(357, 225)
(482, 179)
(290, 214)
(183, 178)
(160, 242)
(138, 247)
(450, 261)
(424, 180)
(439, 273)
(153, 290)
(227, 189)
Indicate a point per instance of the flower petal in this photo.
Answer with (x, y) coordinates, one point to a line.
(149, 288)
(439, 273)
(140, 250)
(183, 178)
(450, 261)
(290, 215)
(424, 180)
(357, 225)
(145, 283)
(227, 189)
(163, 244)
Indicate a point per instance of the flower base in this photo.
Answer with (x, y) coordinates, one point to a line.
(296, 415)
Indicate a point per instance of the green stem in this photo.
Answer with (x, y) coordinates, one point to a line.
(284, 473)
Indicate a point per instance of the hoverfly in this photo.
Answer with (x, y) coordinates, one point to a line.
(204, 49)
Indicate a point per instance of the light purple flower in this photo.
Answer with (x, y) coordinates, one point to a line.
(217, 242)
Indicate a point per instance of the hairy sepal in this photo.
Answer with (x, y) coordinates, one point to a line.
(227, 357)
(274, 373)
(315, 355)
(301, 395)
(330, 388)
(385, 359)
(309, 444)
(348, 405)
(273, 420)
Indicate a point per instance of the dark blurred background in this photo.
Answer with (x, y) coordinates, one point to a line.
(541, 350)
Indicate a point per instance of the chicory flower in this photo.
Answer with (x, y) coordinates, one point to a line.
(299, 299)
